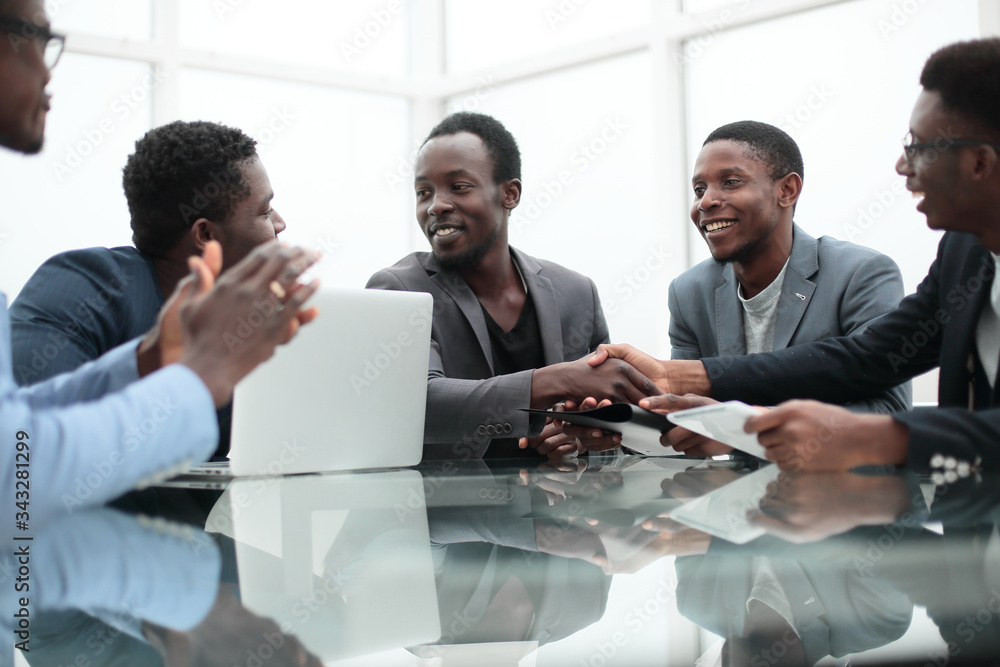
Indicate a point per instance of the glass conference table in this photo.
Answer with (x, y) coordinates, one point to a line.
(628, 561)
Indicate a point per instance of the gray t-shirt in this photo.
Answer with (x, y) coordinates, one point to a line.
(760, 313)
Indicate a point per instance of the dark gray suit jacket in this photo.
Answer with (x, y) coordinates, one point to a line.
(831, 288)
(466, 404)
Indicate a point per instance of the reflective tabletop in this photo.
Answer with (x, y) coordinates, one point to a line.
(585, 563)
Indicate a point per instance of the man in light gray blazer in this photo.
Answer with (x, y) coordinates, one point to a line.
(769, 285)
(509, 331)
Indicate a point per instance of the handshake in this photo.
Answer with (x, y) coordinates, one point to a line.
(799, 435)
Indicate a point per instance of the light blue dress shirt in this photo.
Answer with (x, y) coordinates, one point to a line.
(95, 433)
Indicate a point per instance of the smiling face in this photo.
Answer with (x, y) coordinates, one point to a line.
(737, 207)
(460, 209)
(934, 174)
(23, 77)
(253, 221)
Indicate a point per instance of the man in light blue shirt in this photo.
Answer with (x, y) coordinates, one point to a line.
(147, 406)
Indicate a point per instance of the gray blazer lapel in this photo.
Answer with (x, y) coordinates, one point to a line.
(797, 290)
(729, 317)
(546, 307)
(454, 286)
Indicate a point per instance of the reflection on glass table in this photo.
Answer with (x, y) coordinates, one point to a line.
(580, 563)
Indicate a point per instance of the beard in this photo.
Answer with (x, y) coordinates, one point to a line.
(741, 254)
(470, 257)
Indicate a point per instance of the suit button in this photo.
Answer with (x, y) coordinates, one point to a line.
(507, 428)
(937, 461)
(481, 430)
(490, 430)
(951, 476)
(950, 463)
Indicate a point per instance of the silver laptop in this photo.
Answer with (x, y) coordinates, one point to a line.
(341, 561)
(348, 393)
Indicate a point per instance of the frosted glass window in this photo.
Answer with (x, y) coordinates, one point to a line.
(121, 19)
(589, 188)
(365, 36)
(713, 8)
(482, 35)
(845, 93)
(331, 157)
(70, 196)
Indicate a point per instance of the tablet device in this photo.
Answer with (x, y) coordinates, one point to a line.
(723, 422)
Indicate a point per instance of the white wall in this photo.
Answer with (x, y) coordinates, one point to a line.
(609, 99)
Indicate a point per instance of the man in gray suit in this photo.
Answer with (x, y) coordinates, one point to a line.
(769, 285)
(509, 331)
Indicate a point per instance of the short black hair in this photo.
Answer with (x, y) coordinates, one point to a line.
(180, 172)
(499, 142)
(967, 77)
(764, 143)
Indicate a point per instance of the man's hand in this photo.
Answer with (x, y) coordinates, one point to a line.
(591, 439)
(227, 327)
(673, 377)
(814, 436)
(552, 442)
(164, 343)
(576, 380)
(696, 482)
(681, 439)
(810, 507)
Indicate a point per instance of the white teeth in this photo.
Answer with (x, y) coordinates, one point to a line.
(716, 226)
(446, 231)
(917, 194)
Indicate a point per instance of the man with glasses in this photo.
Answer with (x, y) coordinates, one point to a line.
(146, 406)
(952, 161)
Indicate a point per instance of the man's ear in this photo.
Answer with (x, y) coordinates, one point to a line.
(203, 231)
(985, 162)
(510, 193)
(789, 189)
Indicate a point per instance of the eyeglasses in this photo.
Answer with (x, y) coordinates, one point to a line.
(21, 30)
(911, 148)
